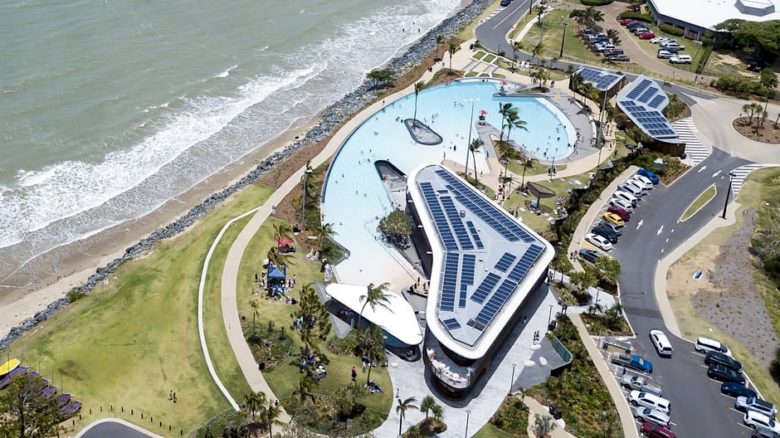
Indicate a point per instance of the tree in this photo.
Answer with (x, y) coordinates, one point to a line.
(373, 347)
(310, 318)
(537, 50)
(381, 77)
(325, 233)
(396, 227)
(438, 411)
(305, 386)
(429, 404)
(270, 416)
(474, 147)
(609, 269)
(417, 87)
(276, 258)
(439, 40)
(613, 316)
(253, 403)
(526, 163)
(503, 110)
(401, 409)
(453, 47)
(513, 120)
(543, 425)
(768, 80)
(281, 230)
(375, 296)
(516, 46)
(591, 16)
(583, 280)
(26, 412)
(588, 90)
(575, 81)
(751, 110)
(255, 306)
(614, 36)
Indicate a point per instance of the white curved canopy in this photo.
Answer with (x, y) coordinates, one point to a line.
(397, 319)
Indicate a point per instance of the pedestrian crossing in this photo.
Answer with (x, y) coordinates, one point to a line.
(740, 173)
(695, 150)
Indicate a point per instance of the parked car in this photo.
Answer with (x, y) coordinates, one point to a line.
(612, 52)
(620, 212)
(668, 41)
(716, 357)
(640, 383)
(616, 228)
(652, 430)
(590, 255)
(764, 432)
(649, 174)
(724, 374)
(705, 345)
(634, 361)
(757, 65)
(639, 398)
(618, 58)
(625, 21)
(673, 45)
(599, 242)
(754, 420)
(664, 54)
(505, 2)
(661, 343)
(621, 203)
(644, 180)
(735, 389)
(632, 189)
(606, 233)
(652, 416)
(613, 218)
(640, 185)
(745, 404)
(681, 59)
(646, 36)
(626, 196)
(639, 30)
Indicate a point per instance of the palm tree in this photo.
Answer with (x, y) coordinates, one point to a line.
(427, 405)
(305, 385)
(255, 305)
(270, 416)
(614, 36)
(537, 50)
(525, 163)
(401, 409)
(373, 348)
(281, 230)
(516, 45)
(609, 269)
(587, 91)
(375, 296)
(417, 87)
(504, 109)
(439, 40)
(768, 80)
(452, 49)
(437, 411)
(277, 258)
(254, 402)
(325, 232)
(513, 120)
(474, 147)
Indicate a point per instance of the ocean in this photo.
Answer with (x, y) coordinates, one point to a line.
(108, 109)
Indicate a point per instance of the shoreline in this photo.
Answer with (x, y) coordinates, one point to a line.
(23, 309)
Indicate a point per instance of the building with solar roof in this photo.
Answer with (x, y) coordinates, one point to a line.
(603, 80)
(482, 264)
(643, 101)
(699, 17)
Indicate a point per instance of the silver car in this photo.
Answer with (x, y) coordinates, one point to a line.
(652, 415)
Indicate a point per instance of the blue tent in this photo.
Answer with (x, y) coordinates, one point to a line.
(276, 273)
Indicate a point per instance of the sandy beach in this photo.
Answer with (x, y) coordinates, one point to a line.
(51, 275)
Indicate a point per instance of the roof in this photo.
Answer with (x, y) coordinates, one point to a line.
(485, 262)
(397, 319)
(603, 80)
(708, 13)
(276, 273)
(9, 366)
(643, 100)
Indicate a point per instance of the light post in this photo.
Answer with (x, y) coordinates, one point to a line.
(728, 193)
(549, 316)
(565, 25)
(471, 125)
(468, 414)
(600, 133)
(306, 174)
(512, 381)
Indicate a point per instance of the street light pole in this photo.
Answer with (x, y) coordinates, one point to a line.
(549, 316)
(728, 193)
(565, 25)
(306, 174)
(600, 133)
(468, 414)
(511, 382)
(468, 143)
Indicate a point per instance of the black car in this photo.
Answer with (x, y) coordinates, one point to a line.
(590, 255)
(618, 58)
(724, 374)
(756, 65)
(617, 229)
(606, 232)
(714, 357)
(735, 389)
(505, 2)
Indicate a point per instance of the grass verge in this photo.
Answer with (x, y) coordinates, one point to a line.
(698, 203)
(134, 339)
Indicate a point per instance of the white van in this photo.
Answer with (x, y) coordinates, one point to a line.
(661, 343)
(620, 194)
(681, 59)
(639, 398)
(705, 345)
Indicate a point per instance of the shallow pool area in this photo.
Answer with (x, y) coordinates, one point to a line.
(354, 198)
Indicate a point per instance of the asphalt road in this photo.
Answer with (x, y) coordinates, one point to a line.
(698, 408)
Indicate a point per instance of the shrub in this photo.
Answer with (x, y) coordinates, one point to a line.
(75, 295)
(668, 28)
(737, 85)
(774, 367)
(596, 2)
(512, 416)
(636, 16)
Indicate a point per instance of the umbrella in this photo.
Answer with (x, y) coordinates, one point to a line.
(504, 83)
(482, 112)
(284, 240)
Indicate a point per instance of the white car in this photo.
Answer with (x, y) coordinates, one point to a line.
(626, 196)
(652, 415)
(644, 180)
(647, 400)
(661, 342)
(681, 59)
(755, 419)
(745, 404)
(633, 189)
(599, 241)
(668, 41)
(705, 345)
(664, 54)
(621, 203)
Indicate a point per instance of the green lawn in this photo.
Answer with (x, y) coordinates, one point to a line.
(135, 339)
(479, 55)
(702, 200)
(283, 379)
(696, 51)
(490, 431)
(537, 168)
(552, 32)
(490, 58)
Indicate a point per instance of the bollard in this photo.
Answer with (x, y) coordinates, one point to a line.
(90, 411)
(151, 419)
(101, 408)
(169, 428)
(142, 415)
(131, 412)
(111, 408)
(161, 424)
(123, 408)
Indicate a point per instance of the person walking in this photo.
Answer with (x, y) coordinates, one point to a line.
(354, 373)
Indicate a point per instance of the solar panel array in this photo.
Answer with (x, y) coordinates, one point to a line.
(603, 80)
(643, 100)
(460, 239)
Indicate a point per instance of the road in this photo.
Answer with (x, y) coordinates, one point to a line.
(693, 395)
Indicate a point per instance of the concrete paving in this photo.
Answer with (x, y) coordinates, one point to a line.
(114, 428)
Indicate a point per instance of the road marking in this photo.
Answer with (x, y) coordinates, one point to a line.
(660, 230)
(667, 240)
(508, 16)
(700, 170)
(732, 409)
(716, 174)
(662, 250)
(672, 230)
(640, 224)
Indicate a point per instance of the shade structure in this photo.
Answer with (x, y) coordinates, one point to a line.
(284, 240)
(539, 190)
(9, 366)
(276, 273)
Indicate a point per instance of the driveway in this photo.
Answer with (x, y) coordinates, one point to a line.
(653, 232)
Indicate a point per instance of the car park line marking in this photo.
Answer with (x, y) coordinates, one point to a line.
(673, 229)
(716, 174)
(662, 250)
(640, 224)
(700, 170)
(739, 412)
(660, 230)
(667, 240)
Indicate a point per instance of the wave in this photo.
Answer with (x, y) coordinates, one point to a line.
(226, 73)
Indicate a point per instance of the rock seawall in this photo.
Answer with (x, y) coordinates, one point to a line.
(330, 117)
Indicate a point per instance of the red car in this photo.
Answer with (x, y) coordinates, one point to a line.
(647, 36)
(652, 430)
(625, 21)
(620, 212)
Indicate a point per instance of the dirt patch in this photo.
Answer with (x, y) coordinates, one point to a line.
(727, 295)
(769, 133)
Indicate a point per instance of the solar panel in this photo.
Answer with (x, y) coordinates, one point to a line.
(643, 103)
(462, 296)
(448, 285)
(442, 226)
(457, 223)
(505, 261)
(485, 288)
(474, 235)
(469, 265)
(647, 94)
(451, 324)
(656, 101)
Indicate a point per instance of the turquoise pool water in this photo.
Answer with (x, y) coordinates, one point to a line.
(355, 199)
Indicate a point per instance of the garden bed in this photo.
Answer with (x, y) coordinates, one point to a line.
(768, 133)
